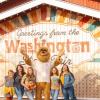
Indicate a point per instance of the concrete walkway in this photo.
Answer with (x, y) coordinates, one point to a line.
(61, 99)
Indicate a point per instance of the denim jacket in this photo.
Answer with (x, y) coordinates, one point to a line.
(68, 80)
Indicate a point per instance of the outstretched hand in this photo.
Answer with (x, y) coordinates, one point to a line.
(26, 58)
(58, 59)
(23, 51)
(61, 52)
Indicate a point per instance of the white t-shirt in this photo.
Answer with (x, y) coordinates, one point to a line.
(42, 70)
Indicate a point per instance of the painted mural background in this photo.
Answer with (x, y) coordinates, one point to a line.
(87, 72)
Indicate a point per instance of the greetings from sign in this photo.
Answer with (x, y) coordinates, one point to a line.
(77, 44)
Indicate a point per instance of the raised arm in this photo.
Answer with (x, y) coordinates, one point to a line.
(58, 59)
(26, 57)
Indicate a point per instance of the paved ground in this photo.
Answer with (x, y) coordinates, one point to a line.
(62, 99)
(16, 99)
(51, 99)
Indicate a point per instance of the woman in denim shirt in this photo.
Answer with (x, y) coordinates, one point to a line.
(67, 80)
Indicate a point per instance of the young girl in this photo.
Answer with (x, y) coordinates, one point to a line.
(55, 83)
(67, 80)
(9, 88)
(29, 83)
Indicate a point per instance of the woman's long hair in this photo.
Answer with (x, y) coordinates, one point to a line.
(67, 70)
(57, 72)
(23, 72)
(28, 75)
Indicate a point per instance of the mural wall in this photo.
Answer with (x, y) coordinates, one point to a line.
(77, 35)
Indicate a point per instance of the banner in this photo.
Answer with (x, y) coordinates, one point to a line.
(74, 41)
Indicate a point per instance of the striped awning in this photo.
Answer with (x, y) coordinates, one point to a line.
(45, 13)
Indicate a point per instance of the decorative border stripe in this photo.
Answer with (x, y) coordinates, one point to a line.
(2, 32)
(52, 14)
(43, 12)
(25, 19)
(83, 21)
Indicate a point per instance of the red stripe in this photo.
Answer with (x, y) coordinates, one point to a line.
(2, 32)
(83, 21)
(34, 16)
(8, 25)
(43, 12)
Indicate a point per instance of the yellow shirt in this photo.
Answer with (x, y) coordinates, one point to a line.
(62, 79)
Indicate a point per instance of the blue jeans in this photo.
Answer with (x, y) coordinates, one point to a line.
(68, 93)
(54, 94)
(29, 94)
(19, 92)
